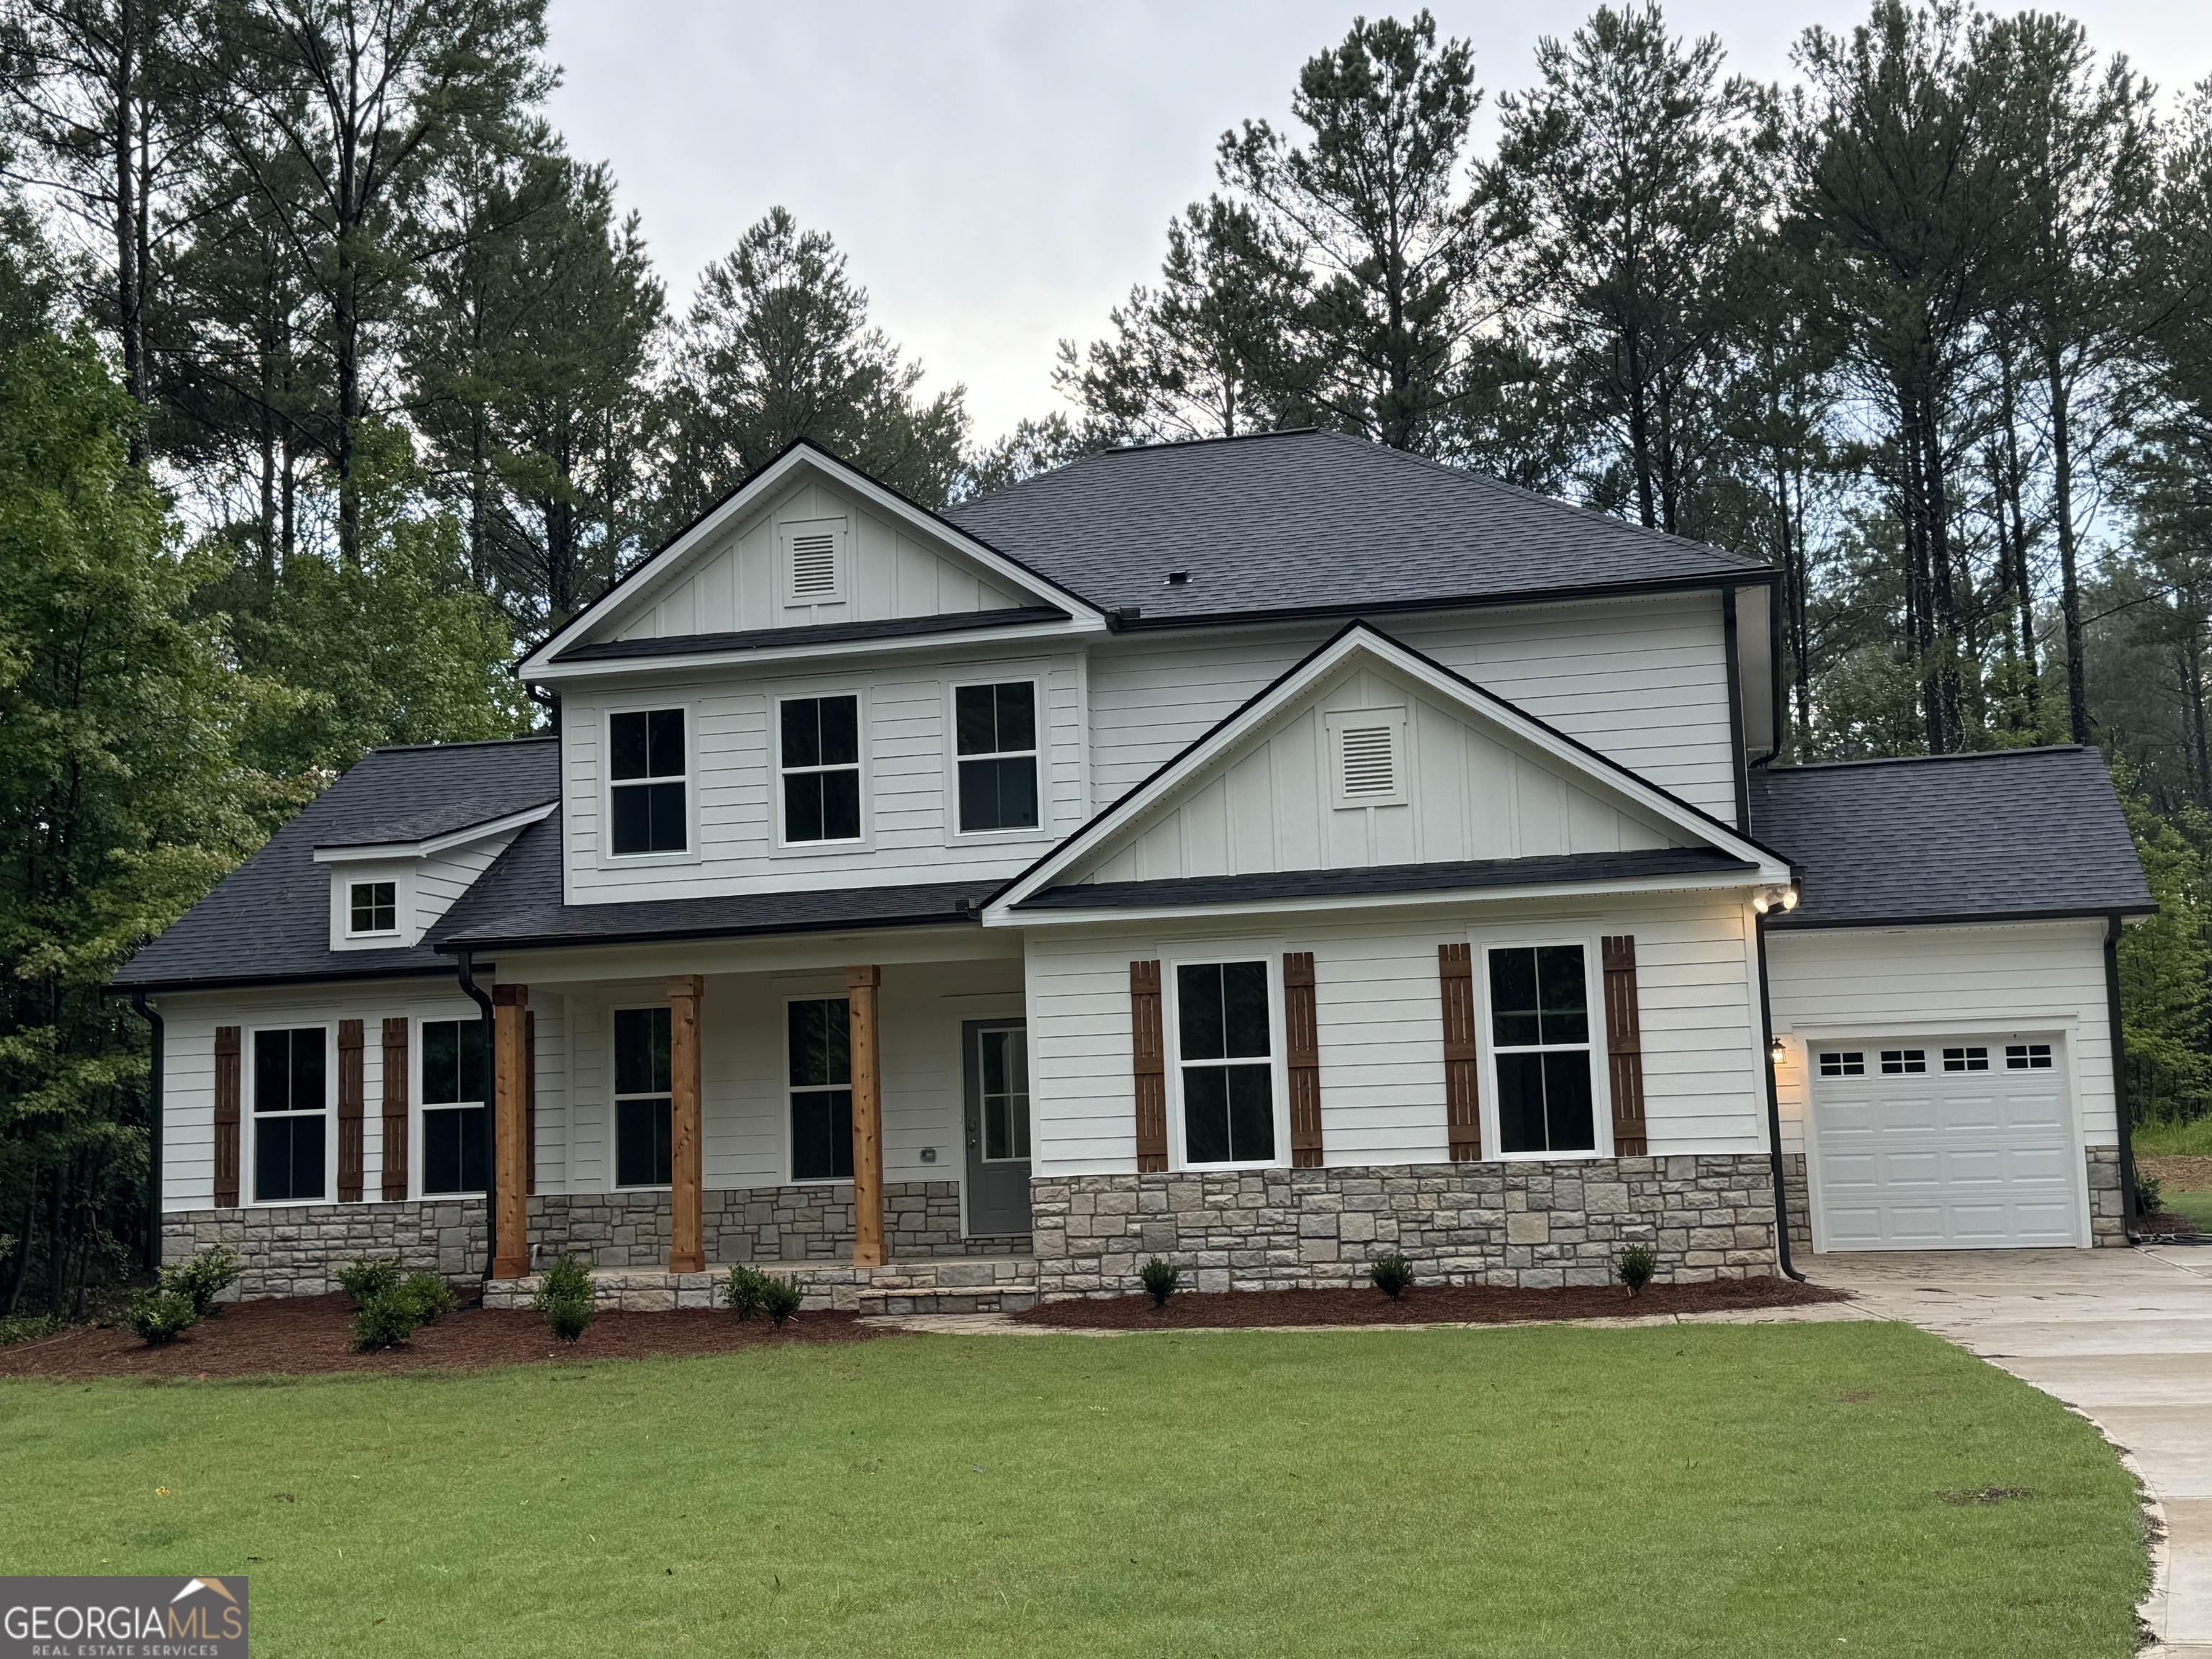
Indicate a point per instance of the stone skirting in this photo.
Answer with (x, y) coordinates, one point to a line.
(298, 1250)
(2108, 1219)
(1535, 1224)
(993, 1284)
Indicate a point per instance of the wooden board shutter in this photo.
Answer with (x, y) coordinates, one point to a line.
(351, 1092)
(227, 1074)
(1302, 1047)
(1150, 1060)
(395, 1109)
(1624, 1045)
(1463, 1061)
(530, 1097)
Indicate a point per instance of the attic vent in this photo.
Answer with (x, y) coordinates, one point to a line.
(1370, 762)
(814, 565)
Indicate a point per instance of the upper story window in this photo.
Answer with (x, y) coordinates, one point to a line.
(290, 1104)
(994, 735)
(1539, 1038)
(1224, 1049)
(646, 773)
(374, 907)
(819, 757)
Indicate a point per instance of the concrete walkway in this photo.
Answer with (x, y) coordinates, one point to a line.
(2123, 1336)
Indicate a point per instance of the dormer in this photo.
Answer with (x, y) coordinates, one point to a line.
(386, 893)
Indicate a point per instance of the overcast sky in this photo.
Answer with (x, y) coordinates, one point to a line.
(999, 171)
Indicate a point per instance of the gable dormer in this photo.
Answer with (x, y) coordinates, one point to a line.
(386, 893)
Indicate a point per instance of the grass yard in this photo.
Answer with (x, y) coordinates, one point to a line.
(1706, 1491)
(2171, 1139)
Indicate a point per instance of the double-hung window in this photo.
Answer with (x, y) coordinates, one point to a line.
(646, 773)
(290, 1105)
(1225, 1054)
(1539, 1038)
(455, 1117)
(372, 908)
(643, 1083)
(821, 1034)
(994, 740)
(819, 755)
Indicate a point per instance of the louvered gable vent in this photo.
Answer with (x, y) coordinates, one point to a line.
(1367, 752)
(814, 573)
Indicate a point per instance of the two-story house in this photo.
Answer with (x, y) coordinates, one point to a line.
(1263, 854)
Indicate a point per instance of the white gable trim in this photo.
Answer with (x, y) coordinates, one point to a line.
(1157, 791)
(431, 845)
(640, 585)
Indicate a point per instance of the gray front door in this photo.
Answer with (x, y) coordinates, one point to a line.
(998, 1127)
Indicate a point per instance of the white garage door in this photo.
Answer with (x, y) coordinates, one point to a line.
(1934, 1144)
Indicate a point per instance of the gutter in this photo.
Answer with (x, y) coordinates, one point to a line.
(1773, 1112)
(157, 1061)
(466, 969)
(2131, 1198)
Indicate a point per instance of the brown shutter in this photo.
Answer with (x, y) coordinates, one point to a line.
(1151, 1065)
(351, 1088)
(1624, 1045)
(226, 1116)
(529, 1096)
(1462, 1099)
(395, 1109)
(1302, 1045)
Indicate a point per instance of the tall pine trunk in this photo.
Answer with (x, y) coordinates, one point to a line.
(2070, 591)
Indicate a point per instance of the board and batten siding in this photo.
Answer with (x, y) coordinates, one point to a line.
(1643, 682)
(1379, 1014)
(2021, 980)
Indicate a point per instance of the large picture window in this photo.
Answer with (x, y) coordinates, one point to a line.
(455, 1112)
(646, 773)
(994, 735)
(1540, 1038)
(290, 1106)
(1224, 1047)
(644, 1080)
(819, 755)
(821, 1034)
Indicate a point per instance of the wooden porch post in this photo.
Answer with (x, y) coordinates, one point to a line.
(860, 988)
(510, 1178)
(686, 1251)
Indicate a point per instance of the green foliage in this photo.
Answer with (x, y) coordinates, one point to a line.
(1636, 1266)
(1160, 1279)
(1392, 1275)
(369, 1277)
(747, 1290)
(2150, 1193)
(160, 1317)
(429, 1297)
(386, 1320)
(2165, 996)
(29, 1328)
(203, 1277)
(780, 1300)
(565, 1297)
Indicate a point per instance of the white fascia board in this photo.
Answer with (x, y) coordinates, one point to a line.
(431, 845)
(1738, 881)
(644, 581)
(1133, 807)
(600, 668)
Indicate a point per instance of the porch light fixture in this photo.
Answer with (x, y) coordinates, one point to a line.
(1774, 898)
(1777, 1051)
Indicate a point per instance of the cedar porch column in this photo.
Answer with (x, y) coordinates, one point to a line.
(510, 1178)
(686, 1250)
(860, 988)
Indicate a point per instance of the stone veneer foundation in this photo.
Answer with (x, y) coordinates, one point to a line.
(2108, 1223)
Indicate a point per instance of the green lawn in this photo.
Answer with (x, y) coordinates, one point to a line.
(1698, 1490)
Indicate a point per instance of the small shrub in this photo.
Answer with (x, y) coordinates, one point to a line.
(29, 1328)
(385, 1320)
(565, 1297)
(747, 1294)
(1160, 1279)
(1392, 1275)
(1636, 1265)
(780, 1299)
(370, 1278)
(202, 1278)
(429, 1296)
(568, 1319)
(161, 1316)
(2150, 1193)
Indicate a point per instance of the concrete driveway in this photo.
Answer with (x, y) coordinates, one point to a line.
(2123, 1336)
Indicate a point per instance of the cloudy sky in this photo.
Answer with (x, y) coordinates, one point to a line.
(999, 171)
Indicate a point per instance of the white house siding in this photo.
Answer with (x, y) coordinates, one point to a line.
(1643, 682)
(1379, 1012)
(907, 804)
(2028, 979)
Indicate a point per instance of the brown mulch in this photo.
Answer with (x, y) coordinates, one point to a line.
(1423, 1304)
(300, 1335)
(2165, 1223)
(2179, 1174)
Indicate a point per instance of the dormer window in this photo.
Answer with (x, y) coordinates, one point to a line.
(814, 562)
(645, 776)
(374, 908)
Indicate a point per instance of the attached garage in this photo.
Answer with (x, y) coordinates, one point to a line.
(1963, 1143)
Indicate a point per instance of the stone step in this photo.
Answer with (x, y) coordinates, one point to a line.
(944, 1284)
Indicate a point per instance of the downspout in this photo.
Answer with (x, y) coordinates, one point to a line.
(2130, 1200)
(467, 971)
(1781, 713)
(1773, 1110)
(156, 1063)
(1737, 772)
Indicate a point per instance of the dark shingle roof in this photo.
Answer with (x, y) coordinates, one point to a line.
(268, 921)
(518, 901)
(2009, 833)
(768, 639)
(1691, 861)
(1314, 522)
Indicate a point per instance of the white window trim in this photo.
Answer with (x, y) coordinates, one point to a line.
(399, 909)
(1271, 959)
(982, 1027)
(418, 1051)
(1335, 722)
(646, 704)
(954, 835)
(344, 878)
(864, 840)
(615, 1098)
(249, 1109)
(839, 525)
(1600, 1077)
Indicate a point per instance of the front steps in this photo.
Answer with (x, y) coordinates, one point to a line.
(946, 1285)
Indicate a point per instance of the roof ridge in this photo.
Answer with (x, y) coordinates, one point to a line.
(1225, 438)
(1914, 760)
(462, 743)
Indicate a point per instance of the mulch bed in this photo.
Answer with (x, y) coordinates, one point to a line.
(300, 1334)
(2180, 1175)
(1423, 1304)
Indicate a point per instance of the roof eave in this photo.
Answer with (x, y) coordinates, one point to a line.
(1754, 575)
(1796, 921)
